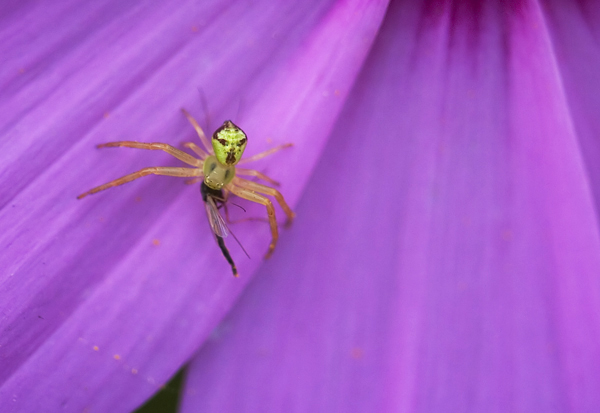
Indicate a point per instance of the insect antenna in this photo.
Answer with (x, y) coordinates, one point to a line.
(239, 206)
(239, 243)
(233, 203)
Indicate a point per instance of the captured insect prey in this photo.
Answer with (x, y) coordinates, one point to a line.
(213, 200)
(217, 170)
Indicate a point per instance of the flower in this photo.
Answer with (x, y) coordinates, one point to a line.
(446, 252)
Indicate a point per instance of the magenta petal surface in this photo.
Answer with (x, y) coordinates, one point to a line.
(103, 299)
(446, 255)
(575, 30)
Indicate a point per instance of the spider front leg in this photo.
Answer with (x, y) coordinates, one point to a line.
(198, 129)
(193, 181)
(226, 209)
(181, 155)
(228, 218)
(265, 153)
(198, 150)
(260, 199)
(161, 170)
(254, 172)
(263, 189)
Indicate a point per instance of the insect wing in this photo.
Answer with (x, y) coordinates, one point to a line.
(217, 224)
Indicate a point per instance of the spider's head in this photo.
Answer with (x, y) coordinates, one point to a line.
(229, 143)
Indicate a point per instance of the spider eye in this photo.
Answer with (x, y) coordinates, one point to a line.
(229, 142)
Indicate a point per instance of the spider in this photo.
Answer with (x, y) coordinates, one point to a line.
(217, 170)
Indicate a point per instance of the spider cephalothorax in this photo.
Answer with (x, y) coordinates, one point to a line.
(228, 143)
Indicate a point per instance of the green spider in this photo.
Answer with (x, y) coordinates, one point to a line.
(217, 170)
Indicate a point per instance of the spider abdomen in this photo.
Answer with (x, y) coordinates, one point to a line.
(217, 175)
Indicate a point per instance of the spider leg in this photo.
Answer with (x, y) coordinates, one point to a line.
(260, 199)
(263, 189)
(251, 219)
(199, 131)
(198, 150)
(181, 155)
(235, 221)
(229, 221)
(259, 175)
(265, 153)
(161, 170)
(192, 181)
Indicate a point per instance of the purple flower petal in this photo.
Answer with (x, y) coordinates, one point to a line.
(575, 28)
(446, 255)
(104, 298)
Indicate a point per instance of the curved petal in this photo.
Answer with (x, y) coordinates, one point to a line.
(575, 30)
(103, 299)
(451, 263)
